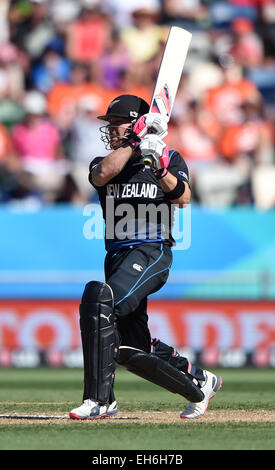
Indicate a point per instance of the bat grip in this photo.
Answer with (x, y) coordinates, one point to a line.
(147, 161)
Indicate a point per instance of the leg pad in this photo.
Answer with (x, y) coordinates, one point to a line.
(159, 372)
(99, 340)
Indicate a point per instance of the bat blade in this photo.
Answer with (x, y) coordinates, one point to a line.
(170, 71)
(169, 74)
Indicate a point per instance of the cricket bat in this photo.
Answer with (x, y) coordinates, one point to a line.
(169, 74)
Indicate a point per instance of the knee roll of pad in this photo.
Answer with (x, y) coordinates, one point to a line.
(99, 293)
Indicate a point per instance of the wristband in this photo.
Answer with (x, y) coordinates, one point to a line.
(177, 191)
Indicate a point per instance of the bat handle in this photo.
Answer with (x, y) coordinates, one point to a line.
(147, 161)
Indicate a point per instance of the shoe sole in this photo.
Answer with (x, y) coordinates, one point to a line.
(217, 387)
(105, 415)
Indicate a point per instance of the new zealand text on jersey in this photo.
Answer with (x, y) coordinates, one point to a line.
(126, 190)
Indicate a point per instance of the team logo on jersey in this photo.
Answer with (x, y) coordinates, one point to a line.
(137, 267)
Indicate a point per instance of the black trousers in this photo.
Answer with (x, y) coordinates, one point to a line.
(134, 274)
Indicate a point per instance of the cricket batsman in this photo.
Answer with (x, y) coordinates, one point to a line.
(139, 172)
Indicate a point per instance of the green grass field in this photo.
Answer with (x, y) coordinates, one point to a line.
(247, 393)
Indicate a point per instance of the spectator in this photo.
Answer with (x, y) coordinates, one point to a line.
(192, 138)
(11, 67)
(222, 12)
(247, 49)
(122, 10)
(133, 82)
(195, 86)
(12, 85)
(114, 62)
(86, 83)
(39, 29)
(63, 97)
(5, 143)
(37, 143)
(84, 144)
(63, 13)
(222, 184)
(143, 38)
(243, 146)
(87, 35)
(189, 15)
(12, 183)
(252, 136)
(50, 69)
(224, 101)
(7, 156)
(266, 26)
(4, 25)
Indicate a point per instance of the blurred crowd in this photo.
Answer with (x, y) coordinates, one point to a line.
(63, 61)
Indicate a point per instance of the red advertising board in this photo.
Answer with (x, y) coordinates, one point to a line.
(215, 324)
(53, 324)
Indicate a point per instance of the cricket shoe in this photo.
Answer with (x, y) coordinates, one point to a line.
(209, 387)
(91, 409)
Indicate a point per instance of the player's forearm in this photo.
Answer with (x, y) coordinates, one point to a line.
(169, 182)
(111, 166)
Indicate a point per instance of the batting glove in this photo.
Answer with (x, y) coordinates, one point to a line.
(155, 154)
(151, 123)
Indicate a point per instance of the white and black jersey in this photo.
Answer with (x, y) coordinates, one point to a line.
(135, 208)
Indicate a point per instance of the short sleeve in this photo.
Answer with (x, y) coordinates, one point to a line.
(92, 165)
(178, 167)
